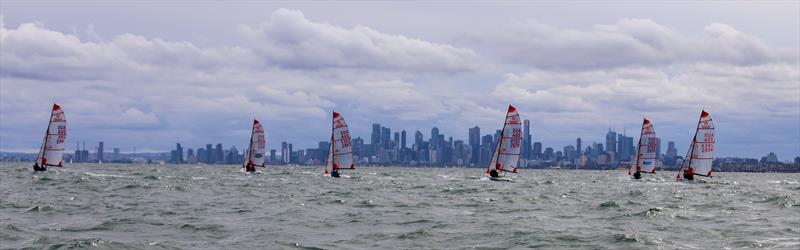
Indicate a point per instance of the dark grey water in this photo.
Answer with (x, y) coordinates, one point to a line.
(217, 207)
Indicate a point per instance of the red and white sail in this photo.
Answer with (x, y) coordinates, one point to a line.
(506, 154)
(52, 151)
(701, 153)
(340, 154)
(645, 160)
(256, 151)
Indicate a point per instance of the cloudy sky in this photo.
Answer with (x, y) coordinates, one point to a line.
(152, 74)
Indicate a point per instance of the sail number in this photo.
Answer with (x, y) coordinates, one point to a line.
(651, 145)
(516, 138)
(62, 134)
(345, 138)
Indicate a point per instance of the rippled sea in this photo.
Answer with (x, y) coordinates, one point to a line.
(218, 207)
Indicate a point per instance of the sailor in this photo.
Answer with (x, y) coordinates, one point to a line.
(250, 167)
(637, 175)
(494, 174)
(335, 173)
(689, 174)
(37, 168)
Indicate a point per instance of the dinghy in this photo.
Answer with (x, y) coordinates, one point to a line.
(645, 159)
(256, 150)
(52, 151)
(701, 153)
(340, 153)
(506, 154)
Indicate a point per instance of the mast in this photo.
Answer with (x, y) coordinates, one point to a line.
(331, 155)
(250, 145)
(43, 151)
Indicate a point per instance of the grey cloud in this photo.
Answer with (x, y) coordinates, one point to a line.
(290, 40)
(629, 42)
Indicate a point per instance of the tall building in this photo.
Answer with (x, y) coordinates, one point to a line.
(578, 146)
(403, 139)
(396, 144)
(526, 140)
(284, 152)
(434, 137)
(272, 156)
(475, 144)
(375, 138)
(209, 154)
(672, 152)
(386, 134)
(220, 154)
(611, 141)
(201, 155)
(537, 150)
(178, 153)
(658, 147)
(418, 138)
(100, 152)
(116, 155)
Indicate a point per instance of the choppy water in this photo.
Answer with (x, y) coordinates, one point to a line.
(217, 207)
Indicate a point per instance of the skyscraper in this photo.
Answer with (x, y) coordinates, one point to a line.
(403, 139)
(116, 155)
(475, 144)
(220, 154)
(386, 134)
(578, 145)
(209, 154)
(100, 152)
(178, 153)
(396, 143)
(537, 150)
(375, 138)
(526, 140)
(284, 152)
(672, 152)
(418, 138)
(434, 137)
(611, 142)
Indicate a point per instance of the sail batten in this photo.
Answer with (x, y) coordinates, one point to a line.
(52, 151)
(507, 151)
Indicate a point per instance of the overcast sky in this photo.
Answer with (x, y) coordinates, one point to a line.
(152, 74)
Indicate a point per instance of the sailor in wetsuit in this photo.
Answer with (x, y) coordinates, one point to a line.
(335, 173)
(36, 167)
(493, 173)
(688, 174)
(250, 167)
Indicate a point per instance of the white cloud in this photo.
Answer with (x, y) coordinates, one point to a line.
(290, 40)
(629, 42)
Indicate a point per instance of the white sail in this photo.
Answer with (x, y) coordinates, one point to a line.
(341, 152)
(52, 151)
(701, 153)
(645, 160)
(256, 151)
(506, 154)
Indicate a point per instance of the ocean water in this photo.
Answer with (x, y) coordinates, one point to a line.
(218, 207)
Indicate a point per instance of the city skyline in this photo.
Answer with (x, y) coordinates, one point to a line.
(125, 81)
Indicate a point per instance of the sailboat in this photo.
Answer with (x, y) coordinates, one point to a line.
(701, 153)
(506, 154)
(52, 151)
(256, 150)
(645, 160)
(340, 154)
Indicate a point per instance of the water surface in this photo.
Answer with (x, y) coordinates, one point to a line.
(218, 207)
